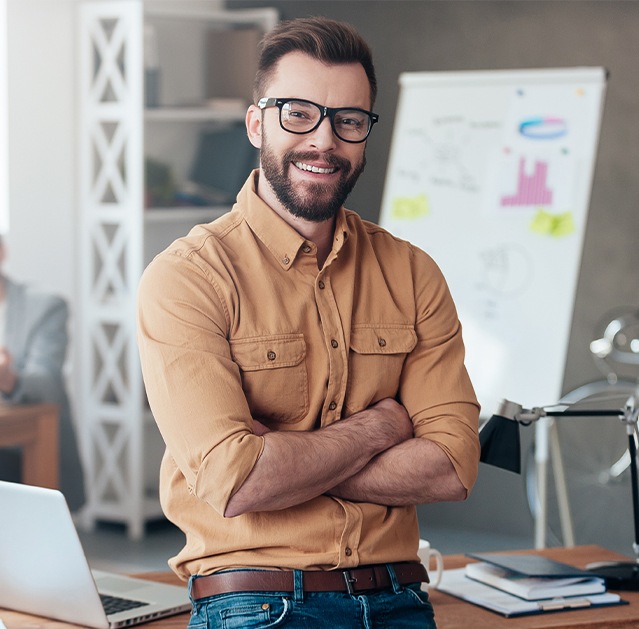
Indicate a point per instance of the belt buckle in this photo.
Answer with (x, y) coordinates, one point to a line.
(349, 580)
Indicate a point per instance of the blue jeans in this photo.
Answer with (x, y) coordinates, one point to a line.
(404, 607)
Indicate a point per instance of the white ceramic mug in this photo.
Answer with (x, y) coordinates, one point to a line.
(426, 553)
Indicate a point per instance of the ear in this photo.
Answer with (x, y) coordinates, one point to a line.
(254, 126)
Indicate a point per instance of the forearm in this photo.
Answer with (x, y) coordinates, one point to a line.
(416, 471)
(297, 466)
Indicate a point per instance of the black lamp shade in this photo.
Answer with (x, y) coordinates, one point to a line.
(500, 445)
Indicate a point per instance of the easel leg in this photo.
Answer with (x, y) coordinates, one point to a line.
(541, 464)
(563, 504)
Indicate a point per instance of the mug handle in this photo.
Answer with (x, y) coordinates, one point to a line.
(439, 568)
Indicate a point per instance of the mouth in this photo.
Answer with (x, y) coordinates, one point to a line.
(327, 170)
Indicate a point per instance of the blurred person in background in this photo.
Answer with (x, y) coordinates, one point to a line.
(33, 346)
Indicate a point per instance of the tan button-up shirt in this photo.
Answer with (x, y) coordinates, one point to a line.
(236, 322)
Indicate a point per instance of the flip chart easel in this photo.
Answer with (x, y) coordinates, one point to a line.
(490, 173)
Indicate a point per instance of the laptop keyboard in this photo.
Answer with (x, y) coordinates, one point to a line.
(115, 604)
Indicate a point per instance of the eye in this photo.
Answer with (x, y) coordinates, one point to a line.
(352, 123)
(300, 112)
(296, 113)
(351, 119)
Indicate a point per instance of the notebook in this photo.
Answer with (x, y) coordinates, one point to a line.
(44, 571)
(534, 588)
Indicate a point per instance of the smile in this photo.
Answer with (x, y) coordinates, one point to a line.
(314, 169)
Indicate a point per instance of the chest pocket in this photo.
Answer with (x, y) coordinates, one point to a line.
(376, 358)
(274, 377)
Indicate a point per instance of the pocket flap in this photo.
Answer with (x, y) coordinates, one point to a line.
(379, 339)
(269, 352)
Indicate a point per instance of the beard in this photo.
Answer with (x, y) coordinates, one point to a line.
(316, 202)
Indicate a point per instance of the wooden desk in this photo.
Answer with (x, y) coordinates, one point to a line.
(450, 612)
(34, 429)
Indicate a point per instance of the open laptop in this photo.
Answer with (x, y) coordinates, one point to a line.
(43, 569)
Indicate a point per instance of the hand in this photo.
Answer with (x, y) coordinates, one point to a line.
(8, 377)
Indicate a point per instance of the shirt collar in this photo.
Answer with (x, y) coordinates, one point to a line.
(278, 236)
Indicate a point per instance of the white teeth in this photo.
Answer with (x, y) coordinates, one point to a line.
(315, 169)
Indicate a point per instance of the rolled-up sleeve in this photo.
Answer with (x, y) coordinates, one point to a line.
(435, 387)
(193, 386)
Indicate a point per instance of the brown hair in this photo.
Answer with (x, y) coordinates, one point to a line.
(326, 40)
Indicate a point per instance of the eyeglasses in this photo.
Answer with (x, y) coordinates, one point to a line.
(349, 124)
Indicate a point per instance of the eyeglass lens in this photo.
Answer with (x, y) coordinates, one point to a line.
(301, 117)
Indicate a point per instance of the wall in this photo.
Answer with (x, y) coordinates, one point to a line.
(41, 243)
(4, 126)
(41, 46)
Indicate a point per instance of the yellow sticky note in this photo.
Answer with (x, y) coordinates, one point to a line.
(555, 225)
(409, 208)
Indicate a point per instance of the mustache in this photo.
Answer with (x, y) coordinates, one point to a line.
(314, 156)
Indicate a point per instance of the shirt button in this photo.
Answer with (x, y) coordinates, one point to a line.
(334, 344)
(286, 260)
(332, 406)
(271, 355)
(382, 342)
(321, 284)
(348, 552)
(306, 249)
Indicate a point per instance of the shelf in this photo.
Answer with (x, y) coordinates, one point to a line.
(267, 16)
(190, 214)
(194, 114)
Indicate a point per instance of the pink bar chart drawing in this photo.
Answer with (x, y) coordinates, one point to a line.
(531, 189)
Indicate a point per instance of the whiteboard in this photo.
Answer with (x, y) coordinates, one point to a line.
(490, 173)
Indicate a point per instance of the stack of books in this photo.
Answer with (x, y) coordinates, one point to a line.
(521, 584)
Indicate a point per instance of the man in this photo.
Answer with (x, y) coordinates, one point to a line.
(33, 345)
(305, 369)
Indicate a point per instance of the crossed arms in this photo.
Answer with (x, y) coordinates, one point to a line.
(371, 456)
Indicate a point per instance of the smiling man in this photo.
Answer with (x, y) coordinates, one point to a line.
(306, 370)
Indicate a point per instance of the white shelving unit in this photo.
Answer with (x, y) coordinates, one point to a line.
(118, 235)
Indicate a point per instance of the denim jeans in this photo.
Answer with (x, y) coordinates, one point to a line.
(403, 607)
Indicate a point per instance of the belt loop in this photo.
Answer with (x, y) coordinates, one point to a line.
(190, 588)
(191, 582)
(393, 577)
(298, 586)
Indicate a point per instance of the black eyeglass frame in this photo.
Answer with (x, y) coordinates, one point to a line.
(325, 112)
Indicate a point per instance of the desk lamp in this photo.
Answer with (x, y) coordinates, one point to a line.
(500, 446)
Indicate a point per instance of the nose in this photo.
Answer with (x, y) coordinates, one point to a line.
(323, 138)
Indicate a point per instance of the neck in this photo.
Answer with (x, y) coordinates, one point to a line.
(319, 233)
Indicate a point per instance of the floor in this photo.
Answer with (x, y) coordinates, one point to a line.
(109, 548)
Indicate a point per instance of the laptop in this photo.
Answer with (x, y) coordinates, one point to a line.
(44, 571)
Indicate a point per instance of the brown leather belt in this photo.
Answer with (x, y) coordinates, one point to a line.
(364, 578)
